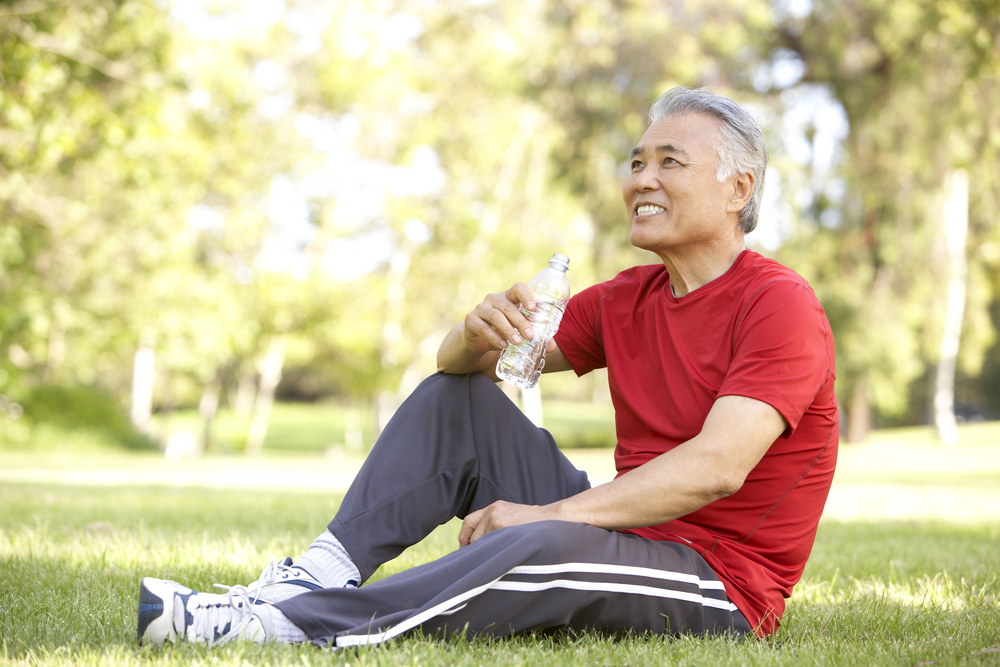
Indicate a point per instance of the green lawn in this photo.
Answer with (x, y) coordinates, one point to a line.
(894, 584)
(297, 427)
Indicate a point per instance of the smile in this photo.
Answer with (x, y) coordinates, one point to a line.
(649, 209)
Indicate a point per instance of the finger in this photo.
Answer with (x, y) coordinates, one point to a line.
(516, 298)
(482, 528)
(520, 294)
(464, 535)
(493, 517)
(484, 520)
(497, 320)
(469, 524)
(508, 321)
(478, 328)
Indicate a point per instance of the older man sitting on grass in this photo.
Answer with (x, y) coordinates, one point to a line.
(721, 366)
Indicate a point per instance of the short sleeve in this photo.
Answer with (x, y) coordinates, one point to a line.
(782, 349)
(579, 335)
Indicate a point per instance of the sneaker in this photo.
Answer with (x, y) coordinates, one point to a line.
(171, 612)
(279, 581)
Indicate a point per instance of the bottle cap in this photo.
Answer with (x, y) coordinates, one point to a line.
(559, 261)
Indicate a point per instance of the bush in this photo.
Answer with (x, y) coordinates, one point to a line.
(86, 408)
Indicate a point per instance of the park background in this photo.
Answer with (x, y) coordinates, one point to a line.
(232, 235)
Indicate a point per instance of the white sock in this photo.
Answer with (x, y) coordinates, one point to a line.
(277, 627)
(328, 561)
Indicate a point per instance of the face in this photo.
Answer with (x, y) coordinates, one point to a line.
(673, 199)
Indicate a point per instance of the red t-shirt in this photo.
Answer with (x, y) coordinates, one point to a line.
(756, 331)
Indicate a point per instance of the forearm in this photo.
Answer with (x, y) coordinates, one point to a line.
(654, 493)
(662, 490)
(455, 357)
(714, 464)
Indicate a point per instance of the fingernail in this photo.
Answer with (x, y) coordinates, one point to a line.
(529, 332)
(531, 305)
(515, 339)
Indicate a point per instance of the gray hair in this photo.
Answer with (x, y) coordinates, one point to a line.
(741, 145)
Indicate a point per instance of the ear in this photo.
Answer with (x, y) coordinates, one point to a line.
(743, 186)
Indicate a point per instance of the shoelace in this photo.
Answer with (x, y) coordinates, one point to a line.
(211, 615)
(268, 576)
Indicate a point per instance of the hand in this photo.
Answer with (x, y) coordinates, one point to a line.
(498, 319)
(500, 515)
(473, 345)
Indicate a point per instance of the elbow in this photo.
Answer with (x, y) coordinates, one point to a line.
(723, 485)
(443, 360)
(444, 367)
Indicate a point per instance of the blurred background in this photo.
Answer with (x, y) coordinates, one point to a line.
(228, 224)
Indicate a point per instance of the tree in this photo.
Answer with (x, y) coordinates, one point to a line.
(871, 250)
(79, 82)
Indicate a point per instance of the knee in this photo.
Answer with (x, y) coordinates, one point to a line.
(485, 393)
(445, 386)
(448, 383)
(477, 383)
(441, 387)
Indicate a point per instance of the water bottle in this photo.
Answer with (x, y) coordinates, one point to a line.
(521, 364)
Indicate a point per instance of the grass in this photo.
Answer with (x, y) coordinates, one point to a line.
(892, 584)
(72, 555)
(293, 427)
(296, 427)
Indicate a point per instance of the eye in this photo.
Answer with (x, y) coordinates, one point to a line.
(636, 165)
(670, 161)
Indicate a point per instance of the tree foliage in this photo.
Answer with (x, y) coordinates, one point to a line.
(352, 177)
(917, 81)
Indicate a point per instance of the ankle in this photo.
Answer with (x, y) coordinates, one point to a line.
(277, 627)
(329, 563)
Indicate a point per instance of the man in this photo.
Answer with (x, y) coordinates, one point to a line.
(721, 367)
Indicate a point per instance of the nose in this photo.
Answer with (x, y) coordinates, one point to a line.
(643, 180)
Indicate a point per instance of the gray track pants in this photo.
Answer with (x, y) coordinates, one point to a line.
(457, 445)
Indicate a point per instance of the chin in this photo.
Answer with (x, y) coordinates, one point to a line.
(640, 240)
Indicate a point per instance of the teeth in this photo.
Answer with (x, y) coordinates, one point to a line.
(649, 209)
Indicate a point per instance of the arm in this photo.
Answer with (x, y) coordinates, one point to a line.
(714, 464)
(474, 345)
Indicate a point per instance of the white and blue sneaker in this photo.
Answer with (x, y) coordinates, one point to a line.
(279, 581)
(171, 612)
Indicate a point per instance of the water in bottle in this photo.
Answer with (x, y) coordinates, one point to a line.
(521, 364)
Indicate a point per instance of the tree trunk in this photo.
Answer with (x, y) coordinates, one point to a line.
(143, 374)
(859, 414)
(956, 227)
(57, 348)
(531, 403)
(241, 397)
(270, 376)
(392, 330)
(385, 408)
(208, 406)
(512, 392)
(353, 437)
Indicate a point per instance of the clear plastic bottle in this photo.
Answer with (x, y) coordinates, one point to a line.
(521, 364)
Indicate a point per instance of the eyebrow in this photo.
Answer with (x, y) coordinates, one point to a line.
(666, 148)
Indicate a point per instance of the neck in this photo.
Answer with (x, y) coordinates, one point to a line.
(693, 269)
